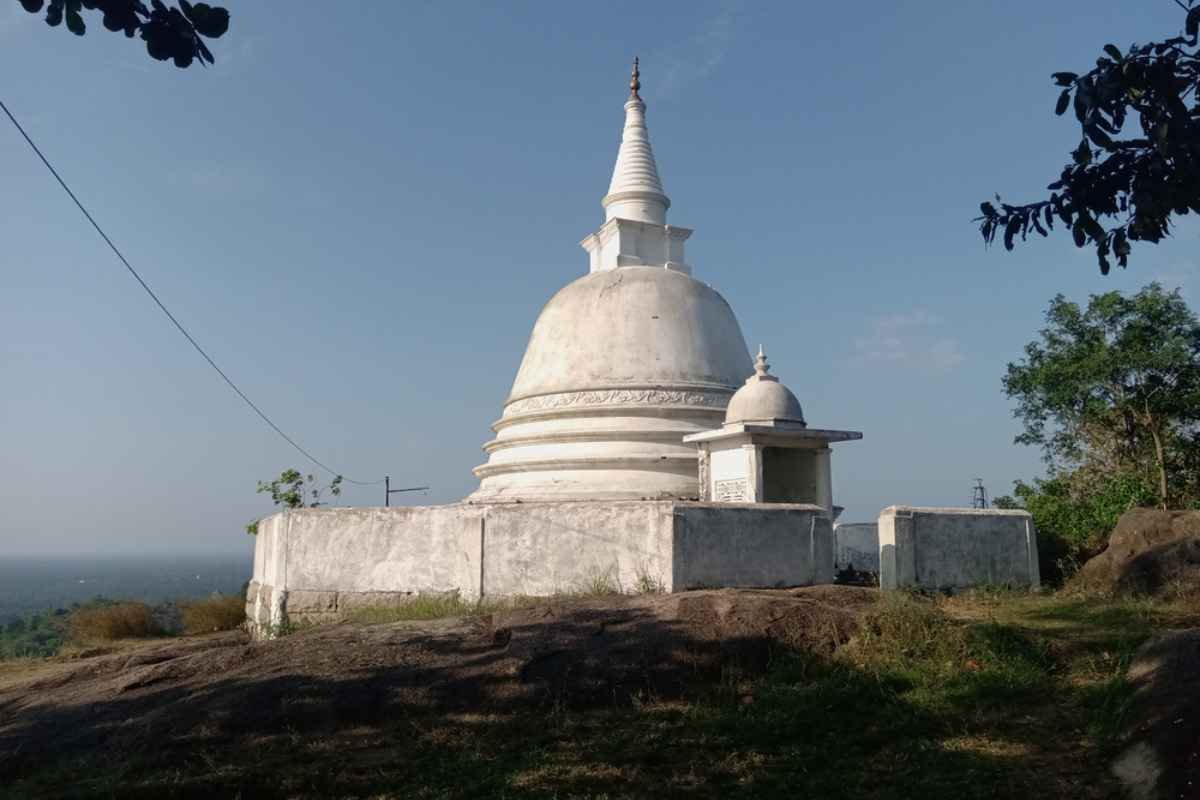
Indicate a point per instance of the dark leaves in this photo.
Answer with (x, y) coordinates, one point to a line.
(1097, 135)
(208, 21)
(173, 34)
(1064, 100)
(1117, 190)
(1082, 154)
(75, 22)
(1011, 230)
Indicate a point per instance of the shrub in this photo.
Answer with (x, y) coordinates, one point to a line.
(103, 621)
(216, 613)
(36, 636)
(1074, 514)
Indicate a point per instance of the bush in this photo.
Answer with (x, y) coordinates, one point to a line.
(1075, 513)
(216, 613)
(36, 636)
(104, 621)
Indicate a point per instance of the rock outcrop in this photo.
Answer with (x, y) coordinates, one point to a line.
(1151, 552)
(1161, 758)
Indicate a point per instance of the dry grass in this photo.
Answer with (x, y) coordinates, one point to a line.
(425, 607)
(216, 613)
(105, 623)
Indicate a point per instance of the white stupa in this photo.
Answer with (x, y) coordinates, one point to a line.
(682, 463)
(623, 362)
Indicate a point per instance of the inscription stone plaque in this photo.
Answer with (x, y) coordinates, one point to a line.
(731, 490)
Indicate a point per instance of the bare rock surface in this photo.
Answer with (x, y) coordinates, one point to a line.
(1150, 552)
(1162, 756)
(226, 688)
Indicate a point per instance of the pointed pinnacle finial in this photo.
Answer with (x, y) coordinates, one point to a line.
(634, 82)
(761, 366)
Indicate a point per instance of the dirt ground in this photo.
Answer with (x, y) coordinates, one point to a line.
(166, 695)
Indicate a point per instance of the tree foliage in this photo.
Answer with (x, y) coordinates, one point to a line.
(293, 490)
(1118, 188)
(1115, 387)
(1074, 512)
(175, 33)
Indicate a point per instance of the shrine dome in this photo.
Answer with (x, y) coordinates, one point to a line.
(623, 362)
(763, 399)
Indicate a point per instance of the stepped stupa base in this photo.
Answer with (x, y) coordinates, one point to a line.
(319, 565)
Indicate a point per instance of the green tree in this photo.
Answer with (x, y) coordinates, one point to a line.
(293, 490)
(169, 33)
(1074, 512)
(1121, 189)
(1114, 387)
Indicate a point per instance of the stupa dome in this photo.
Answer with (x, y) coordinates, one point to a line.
(763, 399)
(640, 327)
(621, 365)
(622, 362)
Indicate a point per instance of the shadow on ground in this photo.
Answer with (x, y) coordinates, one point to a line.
(702, 694)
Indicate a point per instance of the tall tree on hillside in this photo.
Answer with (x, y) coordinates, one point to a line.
(169, 32)
(1122, 189)
(1115, 386)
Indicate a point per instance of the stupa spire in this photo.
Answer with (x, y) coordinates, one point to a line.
(636, 192)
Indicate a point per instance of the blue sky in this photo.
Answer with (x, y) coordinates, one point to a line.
(360, 215)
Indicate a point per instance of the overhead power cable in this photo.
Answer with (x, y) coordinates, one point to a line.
(166, 311)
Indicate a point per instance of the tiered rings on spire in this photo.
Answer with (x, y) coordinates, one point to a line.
(636, 192)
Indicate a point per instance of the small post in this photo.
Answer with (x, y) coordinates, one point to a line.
(388, 491)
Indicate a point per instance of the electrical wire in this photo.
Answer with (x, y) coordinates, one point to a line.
(166, 311)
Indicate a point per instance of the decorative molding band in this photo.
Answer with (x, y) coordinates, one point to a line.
(660, 437)
(635, 194)
(675, 464)
(715, 399)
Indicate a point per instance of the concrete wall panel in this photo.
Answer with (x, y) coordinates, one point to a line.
(421, 549)
(751, 545)
(956, 548)
(544, 548)
(856, 544)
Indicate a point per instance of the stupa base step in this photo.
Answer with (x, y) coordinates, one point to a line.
(319, 565)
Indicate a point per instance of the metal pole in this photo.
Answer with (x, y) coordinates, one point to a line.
(387, 491)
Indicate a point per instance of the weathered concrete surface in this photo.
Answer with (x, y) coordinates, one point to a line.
(752, 545)
(956, 548)
(856, 545)
(315, 565)
(545, 548)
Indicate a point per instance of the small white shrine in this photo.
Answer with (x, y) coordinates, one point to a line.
(765, 452)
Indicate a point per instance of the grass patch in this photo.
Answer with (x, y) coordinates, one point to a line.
(105, 622)
(425, 607)
(981, 695)
(216, 613)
